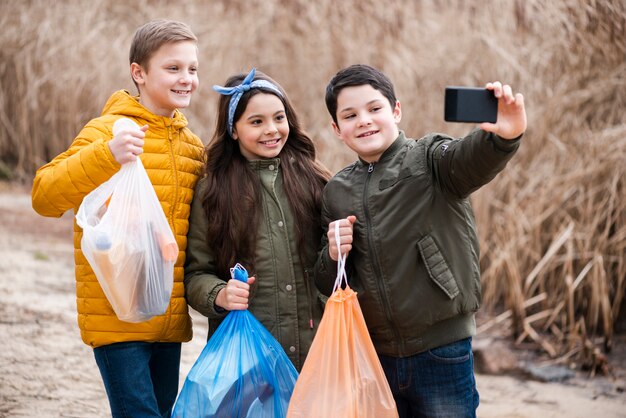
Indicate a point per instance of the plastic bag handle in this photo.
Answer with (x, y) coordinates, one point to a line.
(85, 217)
(341, 262)
(239, 272)
(125, 124)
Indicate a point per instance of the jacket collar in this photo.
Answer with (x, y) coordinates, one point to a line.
(265, 164)
(123, 103)
(389, 152)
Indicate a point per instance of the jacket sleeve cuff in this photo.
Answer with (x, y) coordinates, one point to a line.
(214, 310)
(325, 272)
(505, 145)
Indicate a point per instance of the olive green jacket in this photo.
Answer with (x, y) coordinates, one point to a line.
(414, 261)
(283, 298)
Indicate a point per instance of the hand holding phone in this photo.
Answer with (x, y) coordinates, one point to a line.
(511, 121)
(470, 104)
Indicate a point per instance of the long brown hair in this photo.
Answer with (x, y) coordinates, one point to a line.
(232, 197)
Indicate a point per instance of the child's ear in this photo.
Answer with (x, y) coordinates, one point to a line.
(397, 112)
(137, 73)
(336, 129)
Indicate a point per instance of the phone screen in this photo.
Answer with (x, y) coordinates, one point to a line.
(470, 104)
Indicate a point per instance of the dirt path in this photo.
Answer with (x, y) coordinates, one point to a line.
(46, 370)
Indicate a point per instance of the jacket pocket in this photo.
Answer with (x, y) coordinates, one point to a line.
(437, 267)
(389, 181)
(307, 284)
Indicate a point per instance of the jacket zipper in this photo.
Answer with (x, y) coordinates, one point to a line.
(374, 258)
(172, 212)
(175, 172)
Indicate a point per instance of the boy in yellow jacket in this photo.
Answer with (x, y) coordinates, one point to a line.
(139, 362)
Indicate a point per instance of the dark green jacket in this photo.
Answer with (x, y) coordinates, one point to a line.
(415, 259)
(283, 298)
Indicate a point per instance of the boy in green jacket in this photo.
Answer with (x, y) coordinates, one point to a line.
(405, 219)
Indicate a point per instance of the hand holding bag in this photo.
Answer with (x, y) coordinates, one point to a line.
(342, 376)
(243, 372)
(128, 241)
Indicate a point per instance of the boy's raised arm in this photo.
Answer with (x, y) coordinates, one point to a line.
(463, 166)
(62, 184)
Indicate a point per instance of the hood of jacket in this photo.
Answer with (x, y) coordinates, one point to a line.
(122, 103)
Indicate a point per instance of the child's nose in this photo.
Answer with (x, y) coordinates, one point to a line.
(271, 129)
(364, 120)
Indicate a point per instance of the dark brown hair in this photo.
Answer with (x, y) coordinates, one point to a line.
(357, 75)
(232, 198)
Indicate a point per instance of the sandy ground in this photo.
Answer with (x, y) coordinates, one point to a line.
(46, 370)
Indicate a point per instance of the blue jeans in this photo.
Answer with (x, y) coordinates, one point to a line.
(140, 378)
(436, 383)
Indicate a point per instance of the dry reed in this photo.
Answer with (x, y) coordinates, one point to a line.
(552, 225)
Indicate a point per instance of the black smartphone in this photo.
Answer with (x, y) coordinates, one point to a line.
(470, 104)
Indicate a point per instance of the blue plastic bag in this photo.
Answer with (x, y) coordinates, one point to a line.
(242, 372)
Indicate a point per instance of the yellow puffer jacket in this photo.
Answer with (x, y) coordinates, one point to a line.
(173, 159)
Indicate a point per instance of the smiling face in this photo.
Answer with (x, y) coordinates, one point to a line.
(365, 121)
(168, 80)
(262, 129)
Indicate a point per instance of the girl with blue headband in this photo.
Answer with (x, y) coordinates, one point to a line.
(258, 204)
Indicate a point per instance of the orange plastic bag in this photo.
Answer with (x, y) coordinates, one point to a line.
(342, 376)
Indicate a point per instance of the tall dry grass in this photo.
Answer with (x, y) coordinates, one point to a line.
(552, 225)
(556, 219)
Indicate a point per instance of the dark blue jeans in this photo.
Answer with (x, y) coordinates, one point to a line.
(141, 379)
(436, 383)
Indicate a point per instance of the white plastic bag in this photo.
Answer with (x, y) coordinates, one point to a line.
(128, 241)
